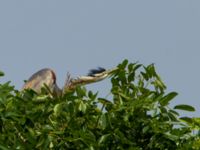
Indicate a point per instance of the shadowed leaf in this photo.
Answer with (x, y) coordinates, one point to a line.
(184, 107)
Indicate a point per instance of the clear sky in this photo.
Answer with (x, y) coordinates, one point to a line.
(78, 35)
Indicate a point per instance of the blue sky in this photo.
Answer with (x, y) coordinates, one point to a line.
(78, 35)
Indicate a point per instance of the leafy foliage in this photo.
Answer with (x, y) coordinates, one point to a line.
(136, 116)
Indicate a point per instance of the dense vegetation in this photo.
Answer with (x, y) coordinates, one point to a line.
(135, 116)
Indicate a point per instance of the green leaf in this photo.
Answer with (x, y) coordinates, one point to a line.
(172, 117)
(136, 66)
(103, 139)
(165, 100)
(122, 76)
(184, 107)
(149, 71)
(123, 64)
(88, 137)
(103, 121)
(124, 96)
(130, 67)
(92, 96)
(174, 112)
(115, 82)
(171, 136)
(57, 109)
(1, 73)
(82, 107)
(187, 119)
(160, 83)
(104, 101)
(145, 76)
(131, 77)
(81, 91)
(3, 147)
(41, 142)
(41, 98)
(145, 129)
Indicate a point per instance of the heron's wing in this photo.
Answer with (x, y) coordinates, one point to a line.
(38, 79)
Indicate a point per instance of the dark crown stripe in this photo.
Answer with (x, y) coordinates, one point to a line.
(92, 72)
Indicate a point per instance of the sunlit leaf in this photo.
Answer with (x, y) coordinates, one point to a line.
(103, 138)
(82, 107)
(57, 109)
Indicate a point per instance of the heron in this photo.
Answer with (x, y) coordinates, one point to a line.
(47, 77)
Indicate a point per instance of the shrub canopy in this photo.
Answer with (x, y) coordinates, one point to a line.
(135, 116)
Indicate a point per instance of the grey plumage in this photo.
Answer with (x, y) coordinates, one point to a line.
(47, 76)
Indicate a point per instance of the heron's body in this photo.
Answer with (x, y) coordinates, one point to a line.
(44, 76)
(47, 77)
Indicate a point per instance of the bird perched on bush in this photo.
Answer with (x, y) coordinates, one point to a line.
(47, 77)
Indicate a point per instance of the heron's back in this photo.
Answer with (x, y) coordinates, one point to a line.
(38, 79)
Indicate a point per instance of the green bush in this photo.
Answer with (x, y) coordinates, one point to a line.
(136, 116)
